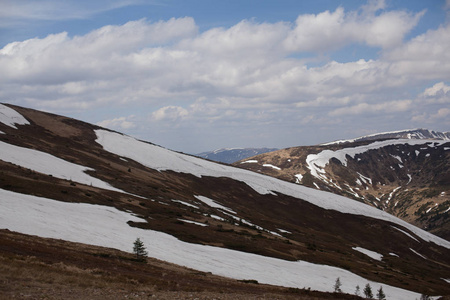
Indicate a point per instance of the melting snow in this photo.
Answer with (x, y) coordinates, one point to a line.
(251, 161)
(372, 254)
(298, 178)
(397, 157)
(193, 222)
(162, 159)
(406, 233)
(417, 253)
(106, 226)
(271, 166)
(393, 254)
(214, 204)
(185, 203)
(10, 117)
(48, 164)
(283, 231)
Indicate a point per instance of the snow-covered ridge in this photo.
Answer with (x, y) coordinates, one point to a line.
(106, 226)
(317, 162)
(418, 133)
(162, 159)
(10, 117)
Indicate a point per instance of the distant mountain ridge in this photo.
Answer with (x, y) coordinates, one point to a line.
(231, 155)
(419, 133)
(406, 173)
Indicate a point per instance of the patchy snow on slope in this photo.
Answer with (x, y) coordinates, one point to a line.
(51, 165)
(251, 161)
(371, 254)
(317, 162)
(193, 222)
(406, 233)
(161, 159)
(298, 178)
(272, 166)
(185, 203)
(10, 117)
(397, 157)
(106, 226)
(214, 204)
(417, 253)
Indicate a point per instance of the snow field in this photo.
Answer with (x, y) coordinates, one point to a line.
(10, 117)
(161, 159)
(106, 226)
(48, 164)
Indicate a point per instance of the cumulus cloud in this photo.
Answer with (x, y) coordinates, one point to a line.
(251, 73)
(170, 113)
(118, 123)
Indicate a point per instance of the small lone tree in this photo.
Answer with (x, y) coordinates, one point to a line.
(139, 250)
(358, 291)
(380, 294)
(337, 286)
(368, 291)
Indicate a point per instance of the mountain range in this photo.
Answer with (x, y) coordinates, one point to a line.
(67, 180)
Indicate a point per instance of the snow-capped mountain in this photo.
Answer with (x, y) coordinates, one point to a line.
(406, 173)
(65, 179)
(231, 155)
(421, 134)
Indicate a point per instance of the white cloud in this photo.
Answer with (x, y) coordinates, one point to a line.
(169, 113)
(15, 12)
(117, 123)
(375, 108)
(332, 30)
(248, 75)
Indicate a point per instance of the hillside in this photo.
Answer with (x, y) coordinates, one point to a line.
(64, 179)
(232, 155)
(407, 176)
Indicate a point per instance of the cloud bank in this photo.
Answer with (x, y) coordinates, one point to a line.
(259, 84)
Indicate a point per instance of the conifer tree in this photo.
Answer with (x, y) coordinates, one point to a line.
(337, 286)
(368, 291)
(357, 291)
(380, 294)
(139, 250)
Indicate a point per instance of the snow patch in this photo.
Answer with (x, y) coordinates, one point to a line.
(404, 232)
(10, 117)
(45, 163)
(251, 161)
(371, 254)
(417, 253)
(214, 204)
(185, 203)
(271, 166)
(107, 227)
(193, 222)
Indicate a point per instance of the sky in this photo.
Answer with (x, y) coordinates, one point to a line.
(200, 75)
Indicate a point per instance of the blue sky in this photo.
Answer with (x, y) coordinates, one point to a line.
(200, 75)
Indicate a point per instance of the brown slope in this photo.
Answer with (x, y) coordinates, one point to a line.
(408, 181)
(316, 235)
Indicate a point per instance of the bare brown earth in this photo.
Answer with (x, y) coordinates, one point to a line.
(39, 268)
